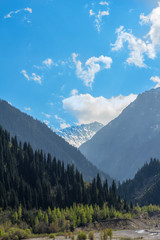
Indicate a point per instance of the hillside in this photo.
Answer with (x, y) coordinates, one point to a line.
(77, 135)
(145, 187)
(38, 181)
(40, 136)
(126, 143)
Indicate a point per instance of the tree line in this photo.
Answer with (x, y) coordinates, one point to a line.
(36, 180)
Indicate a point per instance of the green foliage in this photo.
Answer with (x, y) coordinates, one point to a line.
(52, 235)
(91, 235)
(73, 237)
(105, 234)
(20, 211)
(16, 234)
(110, 233)
(82, 236)
(15, 217)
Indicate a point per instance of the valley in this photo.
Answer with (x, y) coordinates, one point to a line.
(80, 120)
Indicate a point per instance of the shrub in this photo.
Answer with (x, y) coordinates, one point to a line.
(101, 235)
(91, 235)
(105, 234)
(52, 235)
(70, 234)
(15, 237)
(0, 232)
(16, 233)
(6, 236)
(73, 237)
(28, 232)
(81, 236)
(110, 233)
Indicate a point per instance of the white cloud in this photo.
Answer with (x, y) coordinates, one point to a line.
(27, 109)
(100, 14)
(156, 79)
(103, 3)
(64, 125)
(28, 9)
(33, 77)
(74, 92)
(62, 122)
(91, 13)
(46, 122)
(99, 17)
(87, 108)
(154, 33)
(48, 62)
(92, 66)
(36, 78)
(51, 104)
(25, 74)
(10, 14)
(46, 115)
(138, 47)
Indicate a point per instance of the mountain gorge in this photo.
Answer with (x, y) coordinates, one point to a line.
(40, 136)
(126, 143)
(77, 135)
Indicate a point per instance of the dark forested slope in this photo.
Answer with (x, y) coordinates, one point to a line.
(37, 181)
(145, 187)
(40, 136)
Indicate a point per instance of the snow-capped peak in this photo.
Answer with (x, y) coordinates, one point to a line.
(77, 135)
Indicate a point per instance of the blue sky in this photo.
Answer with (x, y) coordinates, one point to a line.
(71, 62)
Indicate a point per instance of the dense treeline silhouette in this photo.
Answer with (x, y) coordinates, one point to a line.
(38, 181)
(145, 187)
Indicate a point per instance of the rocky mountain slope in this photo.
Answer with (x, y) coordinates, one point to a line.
(130, 140)
(77, 135)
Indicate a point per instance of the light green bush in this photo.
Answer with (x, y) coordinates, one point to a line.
(52, 235)
(81, 236)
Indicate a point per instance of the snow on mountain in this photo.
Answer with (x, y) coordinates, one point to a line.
(77, 135)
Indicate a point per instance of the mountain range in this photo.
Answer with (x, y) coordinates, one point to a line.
(126, 143)
(77, 135)
(40, 136)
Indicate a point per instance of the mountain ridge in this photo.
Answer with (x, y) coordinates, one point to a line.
(130, 140)
(40, 136)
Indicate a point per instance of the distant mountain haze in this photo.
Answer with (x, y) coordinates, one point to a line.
(77, 135)
(126, 143)
(41, 137)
